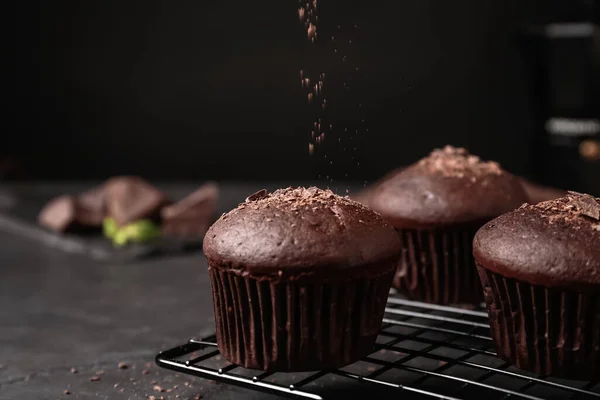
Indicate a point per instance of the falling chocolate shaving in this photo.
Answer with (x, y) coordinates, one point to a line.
(587, 206)
(258, 195)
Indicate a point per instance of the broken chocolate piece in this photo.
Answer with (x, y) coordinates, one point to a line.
(93, 205)
(59, 214)
(587, 206)
(130, 198)
(258, 195)
(191, 216)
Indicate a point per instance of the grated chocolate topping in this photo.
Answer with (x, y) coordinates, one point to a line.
(574, 207)
(458, 162)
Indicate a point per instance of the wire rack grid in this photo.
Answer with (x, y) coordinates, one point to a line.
(423, 350)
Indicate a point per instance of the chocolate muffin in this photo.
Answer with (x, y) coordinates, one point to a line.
(537, 193)
(300, 279)
(540, 268)
(437, 205)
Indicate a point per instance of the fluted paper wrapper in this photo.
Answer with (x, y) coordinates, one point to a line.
(438, 267)
(552, 332)
(296, 326)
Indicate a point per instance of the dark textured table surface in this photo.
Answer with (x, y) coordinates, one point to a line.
(60, 311)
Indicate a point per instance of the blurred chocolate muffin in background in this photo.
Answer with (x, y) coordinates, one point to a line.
(538, 193)
(437, 205)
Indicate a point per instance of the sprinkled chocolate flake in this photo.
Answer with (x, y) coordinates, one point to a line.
(122, 365)
(94, 378)
(158, 389)
(457, 162)
(66, 392)
(258, 195)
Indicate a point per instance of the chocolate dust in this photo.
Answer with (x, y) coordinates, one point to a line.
(338, 116)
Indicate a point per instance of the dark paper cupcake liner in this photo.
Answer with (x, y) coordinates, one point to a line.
(438, 267)
(547, 331)
(294, 326)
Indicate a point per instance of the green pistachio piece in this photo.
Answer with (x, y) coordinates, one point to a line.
(120, 238)
(141, 231)
(109, 227)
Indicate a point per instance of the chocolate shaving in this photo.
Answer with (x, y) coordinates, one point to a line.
(257, 196)
(587, 206)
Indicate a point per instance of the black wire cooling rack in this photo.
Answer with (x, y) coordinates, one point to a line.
(424, 351)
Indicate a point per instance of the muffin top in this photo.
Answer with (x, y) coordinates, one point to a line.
(555, 243)
(449, 187)
(299, 230)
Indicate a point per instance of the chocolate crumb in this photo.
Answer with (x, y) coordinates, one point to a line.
(100, 372)
(197, 397)
(157, 388)
(169, 390)
(145, 372)
(122, 390)
(122, 365)
(153, 382)
(151, 398)
(66, 392)
(116, 385)
(131, 379)
(94, 378)
(73, 370)
(257, 196)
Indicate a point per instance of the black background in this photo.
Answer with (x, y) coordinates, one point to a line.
(195, 90)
